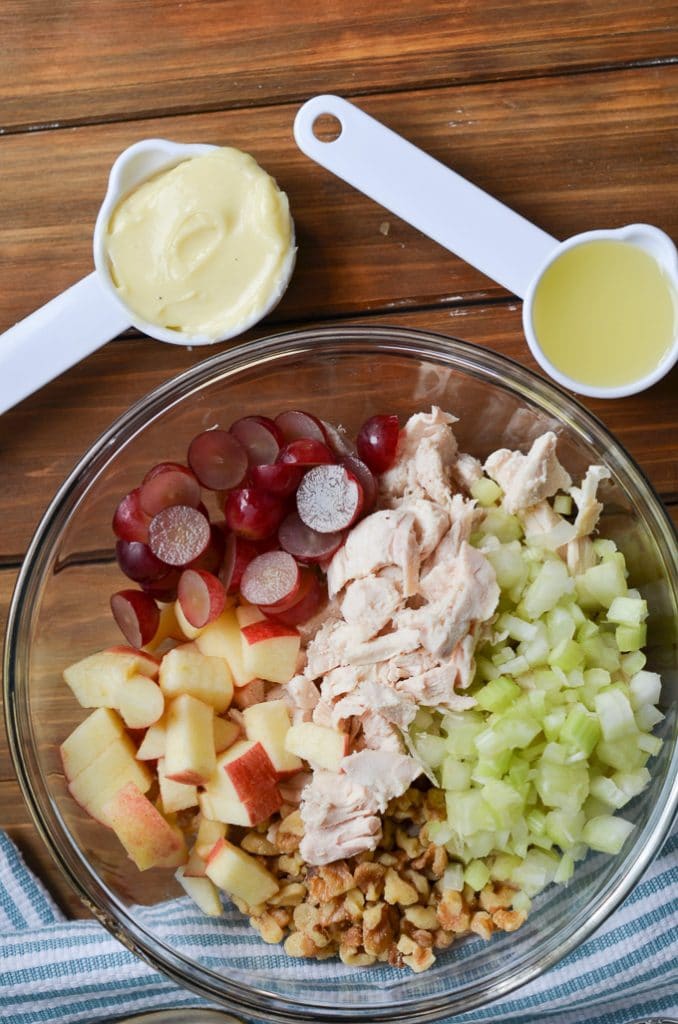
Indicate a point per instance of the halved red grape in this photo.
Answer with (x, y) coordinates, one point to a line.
(137, 615)
(253, 513)
(259, 437)
(164, 588)
(166, 467)
(170, 487)
(305, 452)
(365, 478)
(296, 424)
(237, 556)
(218, 459)
(178, 535)
(338, 440)
(138, 562)
(212, 557)
(306, 544)
(329, 499)
(308, 600)
(130, 522)
(271, 579)
(201, 597)
(377, 442)
(282, 478)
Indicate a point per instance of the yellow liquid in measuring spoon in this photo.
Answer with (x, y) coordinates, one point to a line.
(605, 313)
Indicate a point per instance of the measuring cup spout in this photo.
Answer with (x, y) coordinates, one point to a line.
(423, 192)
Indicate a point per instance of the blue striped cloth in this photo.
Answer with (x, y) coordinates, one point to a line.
(54, 970)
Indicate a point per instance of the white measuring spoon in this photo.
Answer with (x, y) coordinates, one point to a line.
(463, 218)
(91, 312)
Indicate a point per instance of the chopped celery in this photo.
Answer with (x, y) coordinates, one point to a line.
(606, 581)
(453, 878)
(468, 812)
(501, 525)
(522, 902)
(607, 833)
(505, 801)
(632, 783)
(568, 654)
(516, 666)
(560, 625)
(580, 730)
(503, 866)
(477, 875)
(564, 829)
(536, 872)
(553, 723)
(645, 688)
(562, 504)
(601, 654)
(516, 628)
(622, 754)
(631, 638)
(615, 714)
(490, 768)
(562, 786)
(456, 775)
(431, 749)
(605, 790)
(627, 611)
(565, 869)
(498, 694)
(632, 663)
(550, 584)
(647, 717)
(651, 744)
(486, 492)
(508, 564)
(423, 719)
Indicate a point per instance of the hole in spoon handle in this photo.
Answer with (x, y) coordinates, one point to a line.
(426, 194)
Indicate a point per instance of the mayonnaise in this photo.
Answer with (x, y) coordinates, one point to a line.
(203, 248)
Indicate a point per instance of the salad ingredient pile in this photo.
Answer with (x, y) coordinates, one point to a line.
(385, 701)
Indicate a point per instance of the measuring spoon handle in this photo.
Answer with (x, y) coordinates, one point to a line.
(423, 192)
(56, 336)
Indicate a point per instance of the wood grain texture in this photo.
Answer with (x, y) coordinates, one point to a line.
(570, 153)
(116, 59)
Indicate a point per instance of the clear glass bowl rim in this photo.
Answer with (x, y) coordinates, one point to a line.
(405, 342)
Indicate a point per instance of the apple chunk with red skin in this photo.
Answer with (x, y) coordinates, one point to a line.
(320, 746)
(242, 790)
(187, 671)
(148, 838)
(175, 796)
(270, 650)
(202, 891)
(239, 874)
(269, 723)
(96, 680)
(89, 739)
(221, 639)
(189, 744)
(113, 768)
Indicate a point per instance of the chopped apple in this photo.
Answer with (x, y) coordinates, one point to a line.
(221, 639)
(115, 767)
(239, 874)
(187, 630)
(208, 679)
(270, 650)
(202, 891)
(269, 723)
(175, 796)
(148, 838)
(208, 834)
(189, 746)
(96, 680)
(253, 693)
(226, 732)
(195, 865)
(99, 730)
(141, 702)
(153, 743)
(247, 614)
(320, 746)
(242, 790)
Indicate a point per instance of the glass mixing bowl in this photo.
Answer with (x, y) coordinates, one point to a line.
(60, 613)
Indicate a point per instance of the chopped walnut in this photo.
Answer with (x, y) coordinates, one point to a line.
(378, 929)
(397, 890)
(509, 920)
(268, 928)
(290, 833)
(329, 881)
(481, 924)
(422, 917)
(258, 844)
(370, 879)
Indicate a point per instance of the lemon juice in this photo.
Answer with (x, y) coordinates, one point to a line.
(605, 313)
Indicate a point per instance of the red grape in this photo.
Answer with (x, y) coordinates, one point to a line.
(138, 562)
(130, 522)
(169, 487)
(179, 534)
(137, 615)
(338, 440)
(237, 555)
(365, 478)
(260, 438)
(164, 588)
(296, 424)
(253, 513)
(218, 459)
(306, 544)
(201, 597)
(211, 558)
(305, 452)
(165, 467)
(329, 499)
(271, 579)
(308, 600)
(282, 478)
(377, 442)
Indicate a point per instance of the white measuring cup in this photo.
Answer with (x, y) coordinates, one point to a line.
(463, 218)
(91, 312)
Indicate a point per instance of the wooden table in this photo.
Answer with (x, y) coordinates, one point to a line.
(565, 109)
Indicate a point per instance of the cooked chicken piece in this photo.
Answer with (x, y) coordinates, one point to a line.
(588, 507)
(436, 689)
(368, 604)
(342, 680)
(463, 661)
(379, 734)
(431, 524)
(382, 539)
(374, 698)
(339, 819)
(427, 449)
(463, 514)
(301, 696)
(339, 643)
(330, 612)
(383, 773)
(466, 470)
(527, 479)
(545, 527)
(579, 555)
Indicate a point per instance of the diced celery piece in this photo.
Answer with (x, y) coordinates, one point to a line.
(550, 584)
(604, 548)
(586, 630)
(651, 744)
(516, 666)
(504, 654)
(522, 902)
(564, 829)
(562, 786)
(462, 730)
(431, 749)
(607, 833)
(503, 865)
(455, 846)
(581, 730)
(477, 875)
(453, 878)
(536, 872)
(556, 753)
(440, 832)
(480, 845)
(647, 717)
(504, 801)
(501, 525)
(537, 701)
(632, 663)
(562, 504)
(605, 790)
(567, 655)
(534, 751)
(627, 611)
(601, 654)
(547, 680)
(624, 755)
(486, 669)
(456, 775)
(560, 625)
(485, 491)
(615, 714)
(468, 812)
(536, 822)
(423, 720)
(498, 694)
(490, 768)
(596, 678)
(553, 723)
(606, 580)
(565, 869)
(509, 565)
(631, 638)
(513, 730)
(536, 651)
(645, 688)
(632, 783)
(518, 771)
(517, 629)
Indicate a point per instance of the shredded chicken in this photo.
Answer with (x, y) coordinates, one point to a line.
(528, 479)
(585, 497)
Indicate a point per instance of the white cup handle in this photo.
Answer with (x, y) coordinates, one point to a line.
(56, 336)
(420, 190)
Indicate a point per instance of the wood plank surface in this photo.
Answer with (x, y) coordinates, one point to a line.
(570, 153)
(118, 59)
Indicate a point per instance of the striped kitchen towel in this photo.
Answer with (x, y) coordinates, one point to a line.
(54, 970)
